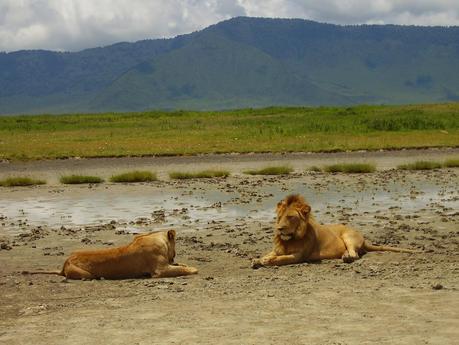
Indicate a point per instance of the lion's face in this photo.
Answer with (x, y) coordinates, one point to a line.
(292, 214)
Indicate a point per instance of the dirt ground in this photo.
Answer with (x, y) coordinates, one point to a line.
(383, 298)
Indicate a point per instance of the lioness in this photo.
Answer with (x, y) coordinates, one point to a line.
(147, 255)
(299, 238)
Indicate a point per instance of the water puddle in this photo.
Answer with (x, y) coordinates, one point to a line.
(139, 208)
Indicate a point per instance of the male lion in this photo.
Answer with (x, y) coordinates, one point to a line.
(147, 255)
(299, 238)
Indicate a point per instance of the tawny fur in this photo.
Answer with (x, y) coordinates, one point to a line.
(147, 255)
(299, 238)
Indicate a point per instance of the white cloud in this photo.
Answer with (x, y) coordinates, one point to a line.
(78, 24)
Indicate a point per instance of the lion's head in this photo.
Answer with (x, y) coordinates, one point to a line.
(292, 217)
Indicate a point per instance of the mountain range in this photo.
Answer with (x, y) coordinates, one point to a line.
(237, 63)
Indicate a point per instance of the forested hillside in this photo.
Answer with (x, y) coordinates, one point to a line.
(242, 62)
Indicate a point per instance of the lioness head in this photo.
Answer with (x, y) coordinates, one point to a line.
(292, 217)
(171, 247)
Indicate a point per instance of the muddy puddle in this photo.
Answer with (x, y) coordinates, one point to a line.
(195, 204)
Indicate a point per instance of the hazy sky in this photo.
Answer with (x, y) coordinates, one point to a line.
(78, 24)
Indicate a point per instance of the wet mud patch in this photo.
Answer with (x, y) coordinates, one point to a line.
(222, 225)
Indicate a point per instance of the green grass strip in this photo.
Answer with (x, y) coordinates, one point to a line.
(420, 165)
(350, 168)
(452, 163)
(134, 176)
(314, 168)
(276, 170)
(201, 174)
(20, 182)
(80, 179)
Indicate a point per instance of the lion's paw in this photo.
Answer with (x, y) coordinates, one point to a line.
(179, 264)
(256, 263)
(349, 259)
(193, 270)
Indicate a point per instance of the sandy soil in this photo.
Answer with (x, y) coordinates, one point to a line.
(384, 298)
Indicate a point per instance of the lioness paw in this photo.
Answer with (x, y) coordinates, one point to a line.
(348, 258)
(268, 260)
(256, 263)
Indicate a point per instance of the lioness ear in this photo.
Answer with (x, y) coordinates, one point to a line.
(171, 235)
(305, 210)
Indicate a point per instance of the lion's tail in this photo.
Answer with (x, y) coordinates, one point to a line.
(374, 248)
(59, 273)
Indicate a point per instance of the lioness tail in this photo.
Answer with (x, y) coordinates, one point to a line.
(374, 248)
(59, 273)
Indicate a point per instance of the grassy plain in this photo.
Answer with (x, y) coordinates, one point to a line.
(249, 130)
